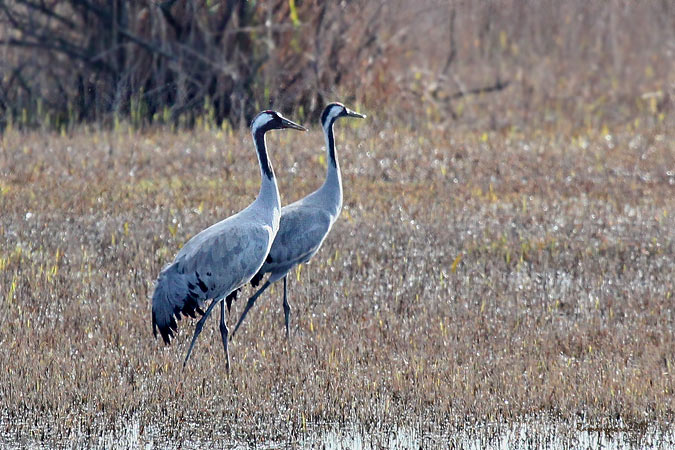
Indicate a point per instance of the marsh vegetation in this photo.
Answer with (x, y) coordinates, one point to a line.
(474, 277)
(502, 272)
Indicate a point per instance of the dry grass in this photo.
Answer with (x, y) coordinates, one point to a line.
(472, 277)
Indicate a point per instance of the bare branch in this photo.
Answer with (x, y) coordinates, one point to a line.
(497, 86)
(49, 13)
(165, 7)
(65, 49)
(453, 45)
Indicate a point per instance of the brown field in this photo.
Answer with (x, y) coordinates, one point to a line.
(473, 278)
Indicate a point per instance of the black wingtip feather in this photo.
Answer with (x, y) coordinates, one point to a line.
(201, 283)
(166, 336)
(154, 325)
(190, 306)
(165, 332)
(230, 298)
(255, 281)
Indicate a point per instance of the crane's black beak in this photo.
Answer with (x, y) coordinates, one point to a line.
(285, 123)
(351, 113)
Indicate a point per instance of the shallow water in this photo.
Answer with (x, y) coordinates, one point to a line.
(493, 436)
(497, 436)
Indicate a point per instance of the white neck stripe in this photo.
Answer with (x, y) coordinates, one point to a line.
(332, 115)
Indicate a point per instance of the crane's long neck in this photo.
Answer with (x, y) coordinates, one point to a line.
(269, 191)
(333, 184)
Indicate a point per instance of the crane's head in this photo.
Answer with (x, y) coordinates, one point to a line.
(334, 110)
(272, 120)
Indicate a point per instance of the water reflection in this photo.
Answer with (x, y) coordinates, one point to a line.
(493, 436)
(529, 435)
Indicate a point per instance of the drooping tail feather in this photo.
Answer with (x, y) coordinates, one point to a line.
(172, 297)
(255, 281)
(257, 278)
(230, 298)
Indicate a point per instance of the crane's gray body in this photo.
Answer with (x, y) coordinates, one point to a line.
(217, 260)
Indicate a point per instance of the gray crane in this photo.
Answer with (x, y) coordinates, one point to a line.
(304, 224)
(220, 259)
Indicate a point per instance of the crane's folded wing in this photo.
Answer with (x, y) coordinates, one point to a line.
(211, 265)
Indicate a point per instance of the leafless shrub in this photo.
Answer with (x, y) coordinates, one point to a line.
(87, 60)
(491, 64)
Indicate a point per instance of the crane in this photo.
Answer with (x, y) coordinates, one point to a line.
(225, 256)
(305, 223)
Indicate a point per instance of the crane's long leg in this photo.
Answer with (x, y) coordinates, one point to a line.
(287, 311)
(198, 328)
(249, 305)
(223, 334)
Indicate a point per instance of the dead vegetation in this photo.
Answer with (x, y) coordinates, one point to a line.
(472, 277)
(505, 254)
